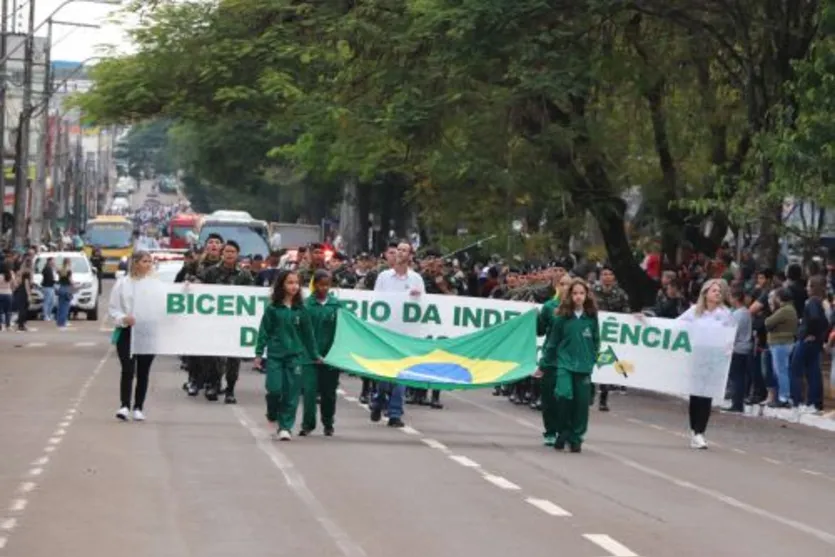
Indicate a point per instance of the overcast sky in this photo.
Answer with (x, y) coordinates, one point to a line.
(75, 44)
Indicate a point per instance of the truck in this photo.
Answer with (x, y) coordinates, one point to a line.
(293, 236)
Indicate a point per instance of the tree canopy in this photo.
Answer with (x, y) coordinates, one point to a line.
(477, 113)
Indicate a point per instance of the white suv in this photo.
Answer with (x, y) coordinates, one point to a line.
(84, 277)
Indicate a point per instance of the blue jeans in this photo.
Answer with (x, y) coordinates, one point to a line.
(64, 300)
(780, 354)
(6, 310)
(767, 370)
(48, 302)
(806, 364)
(389, 395)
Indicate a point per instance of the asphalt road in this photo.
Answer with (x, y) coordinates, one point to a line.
(204, 479)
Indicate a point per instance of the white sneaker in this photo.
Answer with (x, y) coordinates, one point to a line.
(123, 413)
(284, 435)
(138, 416)
(697, 441)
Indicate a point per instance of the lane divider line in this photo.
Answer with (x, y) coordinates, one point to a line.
(547, 507)
(615, 548)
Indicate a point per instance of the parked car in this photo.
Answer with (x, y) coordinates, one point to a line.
(85, 279)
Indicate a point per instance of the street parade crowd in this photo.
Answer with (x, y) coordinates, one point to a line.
(782, 320)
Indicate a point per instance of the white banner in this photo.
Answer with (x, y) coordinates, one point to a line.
(655, 354)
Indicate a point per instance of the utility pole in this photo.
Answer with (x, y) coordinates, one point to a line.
(22, 178)
(39, 191)
(3, 39)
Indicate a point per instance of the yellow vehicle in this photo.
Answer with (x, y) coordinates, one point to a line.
(113, 235)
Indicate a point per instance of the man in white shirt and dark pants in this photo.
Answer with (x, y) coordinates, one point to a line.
(403, 280)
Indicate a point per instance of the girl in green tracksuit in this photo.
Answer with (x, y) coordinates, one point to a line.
(570, 350)
(548, 375)
(287, 334)
(320, 379)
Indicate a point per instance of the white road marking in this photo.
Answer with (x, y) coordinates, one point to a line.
(501, 482)
(8, 524)
(435, 444)
(84, 344)
(72, 411)
(36, 471)
(35, 344)
(464, 461)
(771, 460)
(49, 449)
(738, 451)
(296, 482)
(657, 427)
(341, 392)
(524, 422)
(64, 424)
(821, 535)
(59, 432)
(27, 487)
(547, 506)
(18, 505)
(40, 461)
(3, 541)
(635, 421)
(615, 548)
(351, 398)
(410, 430)
(811, 472)
(54, 440)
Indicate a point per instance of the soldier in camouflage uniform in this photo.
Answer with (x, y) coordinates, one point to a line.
(610, 297)
(315, 262)
(228, 271)
(342, 273)
(191, 272)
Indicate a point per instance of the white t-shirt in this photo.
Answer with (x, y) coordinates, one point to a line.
(390, 281)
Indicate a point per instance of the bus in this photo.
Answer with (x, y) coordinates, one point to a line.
(179, 228)
(250, 234)
(113, 235)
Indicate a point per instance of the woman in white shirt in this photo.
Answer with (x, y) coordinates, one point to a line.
(121, 312)
(711, 307)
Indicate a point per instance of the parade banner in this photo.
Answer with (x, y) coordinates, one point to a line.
(660, 355)
(501, 354)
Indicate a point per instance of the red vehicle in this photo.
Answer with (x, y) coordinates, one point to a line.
(179, 228)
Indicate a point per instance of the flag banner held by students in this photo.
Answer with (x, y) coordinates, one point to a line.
(659, 355)
(500, 354)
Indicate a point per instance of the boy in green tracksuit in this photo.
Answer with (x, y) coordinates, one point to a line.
(571, 349)
(320, 379)
(547, 375)
(287, 334)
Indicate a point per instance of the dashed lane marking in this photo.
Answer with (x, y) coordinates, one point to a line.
(84, 344)
(18, 505)
(547, 507)
(821, 535)
(772, 461)
(35, 344)
(409, 430)
(615, 548)
(36, 471)
(27, 487)
(811, 472)
(435, 444)
(501, 482)
(8, 524)
(464, 461)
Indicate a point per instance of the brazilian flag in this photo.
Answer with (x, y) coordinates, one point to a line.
(500, 354)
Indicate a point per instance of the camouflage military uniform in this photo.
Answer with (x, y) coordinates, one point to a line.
(614, 299)
(343, 277)
(195, 364)
(214, 368)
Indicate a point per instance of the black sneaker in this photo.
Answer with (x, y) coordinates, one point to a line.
(230, 399)
(363, 399)
(576, 448)
(376, 414)
(603, 407)
(329, 431)
(437, 405)
(211, 394)
(560, 444)
(396, 422)
(304, 432)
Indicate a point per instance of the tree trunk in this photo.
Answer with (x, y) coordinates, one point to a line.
(349, 217)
